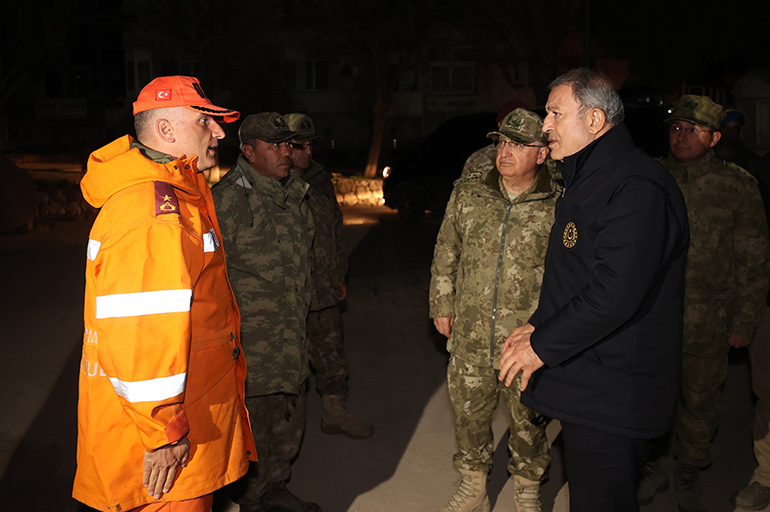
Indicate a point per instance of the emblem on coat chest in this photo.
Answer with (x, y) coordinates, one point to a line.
(570, 236)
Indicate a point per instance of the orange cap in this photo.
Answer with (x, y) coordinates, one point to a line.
(180, 91)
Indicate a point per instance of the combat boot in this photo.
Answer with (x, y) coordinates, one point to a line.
(755, 496)
(471, 494)
(527, 494)
(653, 480)
(280, 499)
(336, 420)
(689, 494)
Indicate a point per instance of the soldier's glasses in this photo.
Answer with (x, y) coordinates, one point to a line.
(300, 146)
(517, 146)
(676, 129)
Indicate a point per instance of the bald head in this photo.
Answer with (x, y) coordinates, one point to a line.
(179, 131)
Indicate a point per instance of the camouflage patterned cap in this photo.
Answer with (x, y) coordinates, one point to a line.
(521, 126)
(303, 126)
(267, 126)
(697, 110)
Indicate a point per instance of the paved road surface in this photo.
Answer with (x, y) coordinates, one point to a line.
(397, 382)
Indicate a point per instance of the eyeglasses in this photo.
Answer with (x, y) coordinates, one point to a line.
(516, 146)
(300, 146)
(676, 129)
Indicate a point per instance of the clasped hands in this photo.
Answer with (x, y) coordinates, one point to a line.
(161, 466)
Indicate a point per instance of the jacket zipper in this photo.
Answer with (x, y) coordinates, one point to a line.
(497, 286)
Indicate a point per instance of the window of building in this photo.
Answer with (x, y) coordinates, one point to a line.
(137, 76)
(189, 68)
(452, 70)
(306, 75)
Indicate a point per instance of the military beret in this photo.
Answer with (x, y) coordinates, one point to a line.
(521, 126)
(266, 126)
(697, 110)
(302, 125)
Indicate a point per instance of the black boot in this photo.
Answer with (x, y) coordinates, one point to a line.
(280, 499)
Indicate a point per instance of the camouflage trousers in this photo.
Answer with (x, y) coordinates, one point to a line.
(704, 368)
(325, 351)
(759, 351)
(277, 422)
(474, 392)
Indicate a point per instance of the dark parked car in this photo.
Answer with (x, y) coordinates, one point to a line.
(422, 179)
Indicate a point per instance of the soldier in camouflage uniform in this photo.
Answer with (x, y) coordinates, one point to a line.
(330, 263)
(267, 232)
(726, 282)
(486, 276)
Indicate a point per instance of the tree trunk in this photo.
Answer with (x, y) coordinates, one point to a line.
(375, 146)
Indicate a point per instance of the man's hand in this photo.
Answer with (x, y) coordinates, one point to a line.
(444, 325)
(738, 341)
(342, 292)
(160, 467)
(518, 356)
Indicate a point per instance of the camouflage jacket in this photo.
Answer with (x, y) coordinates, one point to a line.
(481, 161)
(330, 260)
(728, 257)
(267, 232)
(488, 262)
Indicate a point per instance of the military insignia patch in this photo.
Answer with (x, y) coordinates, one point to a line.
(278, 122)
(165, 199)
(570, 237)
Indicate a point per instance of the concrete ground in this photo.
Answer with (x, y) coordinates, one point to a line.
(397, 382)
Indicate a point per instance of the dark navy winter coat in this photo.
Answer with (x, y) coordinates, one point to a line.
(609, 322)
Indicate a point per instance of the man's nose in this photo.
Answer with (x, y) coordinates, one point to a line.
(217, 130)
(547, 125)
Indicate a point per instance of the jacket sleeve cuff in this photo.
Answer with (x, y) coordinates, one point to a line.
(177, 428)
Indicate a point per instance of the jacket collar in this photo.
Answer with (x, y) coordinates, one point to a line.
(125, 162)
(589, 159)
(244, 175)
(543, 185)
(313, 170)
(685, 172)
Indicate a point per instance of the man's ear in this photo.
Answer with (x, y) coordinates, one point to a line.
(247, 151)
(597, 120)
(164, 129)
(542, 153)
(715, 136)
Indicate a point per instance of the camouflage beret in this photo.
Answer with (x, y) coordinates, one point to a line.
(267, 126)
(521, 126)
(302, 125)
(697, 110)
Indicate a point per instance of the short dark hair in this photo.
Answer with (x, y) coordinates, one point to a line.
(593, 90)
(143, 123)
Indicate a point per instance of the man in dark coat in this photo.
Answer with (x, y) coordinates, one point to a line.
(608, 330)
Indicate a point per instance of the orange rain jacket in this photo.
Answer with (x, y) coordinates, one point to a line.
(162, 355)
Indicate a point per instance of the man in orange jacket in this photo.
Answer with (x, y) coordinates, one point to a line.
(161, 416)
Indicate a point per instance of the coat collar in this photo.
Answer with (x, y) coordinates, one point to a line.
(244, 175)
(543, 185)
(589, 159)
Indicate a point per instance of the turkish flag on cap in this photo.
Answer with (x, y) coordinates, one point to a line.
(163, 95)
